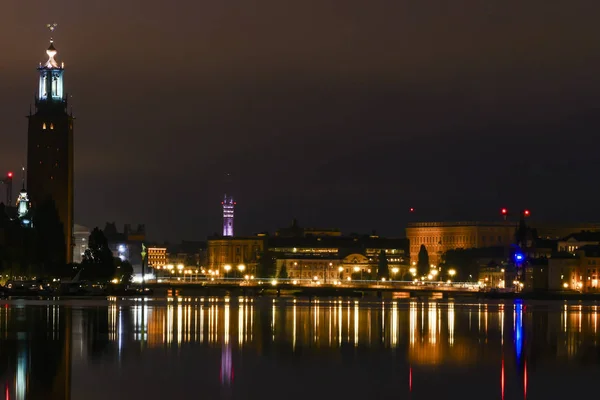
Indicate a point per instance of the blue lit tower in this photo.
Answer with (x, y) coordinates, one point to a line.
(228, 209)
(50, 145)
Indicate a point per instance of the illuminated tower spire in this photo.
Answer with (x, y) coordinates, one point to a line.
(228, 210)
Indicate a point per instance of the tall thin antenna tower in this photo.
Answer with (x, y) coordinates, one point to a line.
(228, 205)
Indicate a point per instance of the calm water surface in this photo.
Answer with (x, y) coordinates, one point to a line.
(244, 348)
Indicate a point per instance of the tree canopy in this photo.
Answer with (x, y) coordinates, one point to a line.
(423, 261)
(382, 266)
(98, 261)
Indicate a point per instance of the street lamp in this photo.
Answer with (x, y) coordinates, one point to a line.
(227, 268)
(241, 268)
(394, 272)
(451, 272)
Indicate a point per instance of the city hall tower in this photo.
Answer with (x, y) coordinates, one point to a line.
(50, 145)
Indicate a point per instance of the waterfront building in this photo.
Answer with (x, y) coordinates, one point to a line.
(225, 253)
(81, 236)
(157, 256)
(330, 258)
(575, 241)
(439, 237)
(575, 271)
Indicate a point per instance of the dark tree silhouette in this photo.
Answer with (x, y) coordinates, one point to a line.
(423, 261)
(266, 267)
(283, 272)
(123, 270)
(50, 240)
(98, 261)
(382, 266)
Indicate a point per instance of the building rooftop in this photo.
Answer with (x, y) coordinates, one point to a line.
(584, 236)
(460, 223)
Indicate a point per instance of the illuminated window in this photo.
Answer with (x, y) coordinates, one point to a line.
(44, 126)
(51, 126)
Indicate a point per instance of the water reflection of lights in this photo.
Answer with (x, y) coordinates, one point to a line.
(518, 323)
(525, 381)
(294, 329)
(356, 323)
(274, 310)
(226, 373)
(21, 378)
(451, 324)
(412, 322)
(394, 325)
(501, 317)
(340, 323)
(432, 322)
(502, 380)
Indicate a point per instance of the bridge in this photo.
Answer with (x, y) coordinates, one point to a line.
(308, 287)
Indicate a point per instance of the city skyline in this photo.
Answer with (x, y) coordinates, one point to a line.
(339, 117)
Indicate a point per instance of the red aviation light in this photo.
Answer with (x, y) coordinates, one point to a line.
(10, 174)
(504, 211)
(526, 213)
(412, 209)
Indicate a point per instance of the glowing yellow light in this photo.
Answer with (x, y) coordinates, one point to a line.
(434, 272)
(565, 285)
(180, 266)
(413, 270)
(356, 269)
(341, 269)
(115, 280)
(395, 270)
(227, 267)
(451, 272)
(241, 267)
(429, 276)
(274, 282)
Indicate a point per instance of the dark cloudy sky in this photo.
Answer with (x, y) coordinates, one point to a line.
(340, 113)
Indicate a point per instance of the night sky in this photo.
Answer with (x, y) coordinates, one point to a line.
(339, 113)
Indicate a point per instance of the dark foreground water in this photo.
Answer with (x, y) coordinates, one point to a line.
(220, 348)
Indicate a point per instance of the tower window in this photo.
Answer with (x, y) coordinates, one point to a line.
(44, 126)
(51, 126)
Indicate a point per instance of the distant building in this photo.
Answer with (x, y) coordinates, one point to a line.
(574, 241)
(81, 236)
(439, 237)
(579, 271)
(563, 272)
(328, 258)
(188, 253)
(296, 230)
(157, 256)
(126, 245)
(233, 252)
(561, 230)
